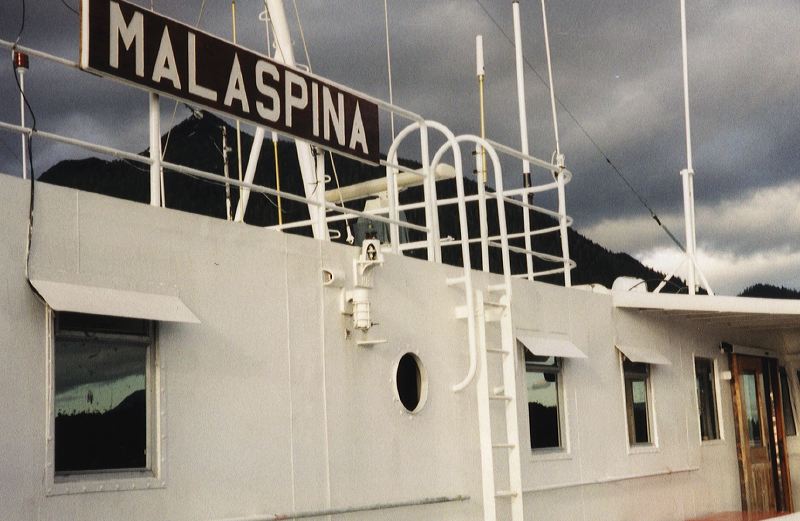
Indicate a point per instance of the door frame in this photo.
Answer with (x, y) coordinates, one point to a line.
(772, 427)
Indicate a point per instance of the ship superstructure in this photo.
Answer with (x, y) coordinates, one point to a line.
(165, 365)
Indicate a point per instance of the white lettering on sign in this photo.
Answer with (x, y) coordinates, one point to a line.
(236, 86)
(128, 33)
(140, 47)
(165, 62)
(262, 68)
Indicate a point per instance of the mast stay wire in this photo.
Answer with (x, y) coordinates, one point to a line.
(585, 132)
(174, 112)
(350, 238)
(267, 21)
(388, 62)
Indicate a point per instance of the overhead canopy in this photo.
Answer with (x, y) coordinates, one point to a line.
(93, 300)
(643, 355)
(543, 344)
(728, 312)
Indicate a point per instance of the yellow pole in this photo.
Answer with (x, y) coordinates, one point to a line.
(483, 129)
(238, 124)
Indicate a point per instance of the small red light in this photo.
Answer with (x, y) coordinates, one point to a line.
(20, 60)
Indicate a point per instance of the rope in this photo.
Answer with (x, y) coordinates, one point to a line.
(238, 123)
(585, 132)
(550, 77)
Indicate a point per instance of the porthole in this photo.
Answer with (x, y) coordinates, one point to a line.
(411, 382)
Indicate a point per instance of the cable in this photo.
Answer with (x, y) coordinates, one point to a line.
(350, 238)
(70, 7)
(32, 200)
(174, 112)
(389, 62)
(585, 132)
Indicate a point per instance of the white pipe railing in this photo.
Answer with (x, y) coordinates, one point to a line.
(433, 243)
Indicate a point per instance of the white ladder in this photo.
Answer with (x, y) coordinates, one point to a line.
(498, 312)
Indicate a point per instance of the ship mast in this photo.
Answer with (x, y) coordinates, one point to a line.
(687, 174)
(305, 156)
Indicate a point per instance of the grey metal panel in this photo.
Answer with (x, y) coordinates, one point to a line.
(62, 296)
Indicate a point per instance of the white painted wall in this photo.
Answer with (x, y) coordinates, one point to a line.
(269, 408)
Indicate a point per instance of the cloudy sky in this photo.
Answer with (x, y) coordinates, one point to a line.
(617, 67)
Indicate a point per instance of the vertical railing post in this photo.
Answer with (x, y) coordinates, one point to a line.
(155, 150)
(523, 132)
(431, 206)
(564, 230)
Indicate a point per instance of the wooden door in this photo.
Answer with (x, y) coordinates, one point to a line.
(760, 438)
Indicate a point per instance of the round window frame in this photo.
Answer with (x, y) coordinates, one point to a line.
(423, 383)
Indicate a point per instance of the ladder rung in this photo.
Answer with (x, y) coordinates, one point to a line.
(500, 351)
(499, 397)
(496, 287)
(495, 304)
(505, 493)
(504, 446)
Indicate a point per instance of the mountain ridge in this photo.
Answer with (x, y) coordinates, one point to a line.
(196, 142)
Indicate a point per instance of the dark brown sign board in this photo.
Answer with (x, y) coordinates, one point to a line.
(140, 47)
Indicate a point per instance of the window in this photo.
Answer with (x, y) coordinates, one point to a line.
(751, 382)
(411, 382)
(542, 380)
(706, 398)
(103, 389)
(788, 411)
(637, 391)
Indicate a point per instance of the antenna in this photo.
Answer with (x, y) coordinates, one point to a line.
(21, 66)
(523, 131)
(688, 175)
(480, 157)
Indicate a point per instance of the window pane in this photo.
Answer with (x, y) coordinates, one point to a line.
(788, 411)
(100, 405)
(706, 398)
(750, 392)
(636, 396)
(542, 389)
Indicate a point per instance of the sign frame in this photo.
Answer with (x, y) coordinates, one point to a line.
(141, 48)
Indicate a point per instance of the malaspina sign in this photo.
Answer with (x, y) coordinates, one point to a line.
(138, 46)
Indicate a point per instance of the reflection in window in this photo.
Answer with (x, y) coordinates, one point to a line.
(101, 381)
(788, 411)
(637, 377)
(542, 376)
(706, 398)
(751, 406)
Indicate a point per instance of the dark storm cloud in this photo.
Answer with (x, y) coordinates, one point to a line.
(617, 67)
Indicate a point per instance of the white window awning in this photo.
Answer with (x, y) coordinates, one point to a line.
(544, 344)
(643, 355)
(62, 296)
